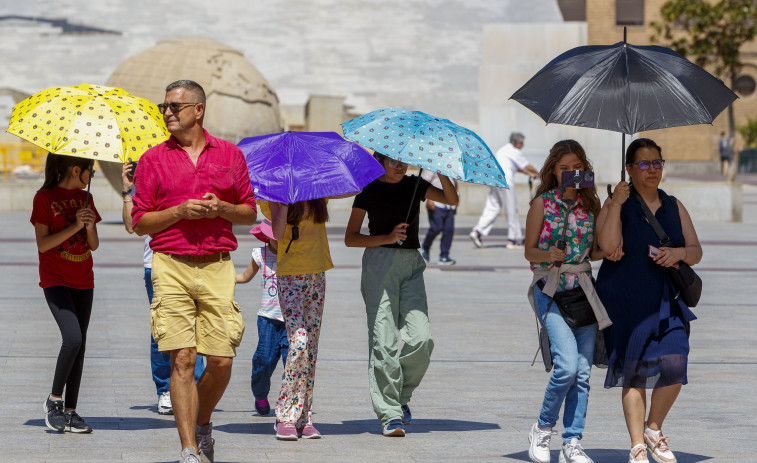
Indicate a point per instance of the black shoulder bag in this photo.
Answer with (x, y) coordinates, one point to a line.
(684, 278)
(574, 306)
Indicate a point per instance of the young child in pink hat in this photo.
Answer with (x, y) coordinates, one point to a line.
(272, 333)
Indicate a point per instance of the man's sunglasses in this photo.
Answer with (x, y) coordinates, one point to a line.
(175, 107)
(644, 165)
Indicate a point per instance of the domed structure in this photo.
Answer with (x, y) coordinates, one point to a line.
(240, 102)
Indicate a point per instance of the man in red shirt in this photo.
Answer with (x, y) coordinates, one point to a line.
(189, 191)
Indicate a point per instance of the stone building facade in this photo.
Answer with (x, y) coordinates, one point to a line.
(694, 148)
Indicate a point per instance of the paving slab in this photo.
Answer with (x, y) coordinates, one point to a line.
(476, 404)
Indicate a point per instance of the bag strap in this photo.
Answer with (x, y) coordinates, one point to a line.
(543, 323)
(652, 220)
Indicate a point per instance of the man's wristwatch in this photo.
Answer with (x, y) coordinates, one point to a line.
(125, 192)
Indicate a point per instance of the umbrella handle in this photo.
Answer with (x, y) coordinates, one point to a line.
(609, 190)
(86, 203)
(412, 198)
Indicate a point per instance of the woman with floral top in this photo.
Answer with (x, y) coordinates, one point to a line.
(555, 210)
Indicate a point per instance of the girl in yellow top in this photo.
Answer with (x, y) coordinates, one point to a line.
(302, 262)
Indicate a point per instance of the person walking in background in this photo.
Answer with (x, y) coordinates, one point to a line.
(511, 160)
(393, 288)
(272, 332)
(441, 219)
(301, 273)
(648, 343)
(189, 190)
(160, 362)
(724, 147)
(64, 218)
(554, 210)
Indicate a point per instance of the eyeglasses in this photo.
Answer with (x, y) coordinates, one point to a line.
(393, 163)
(644, 165)
(91, 172)
(175, 106)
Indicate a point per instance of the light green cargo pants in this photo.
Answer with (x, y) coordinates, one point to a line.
(395, 301)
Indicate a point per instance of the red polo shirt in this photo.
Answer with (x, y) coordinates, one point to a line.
(166, 177)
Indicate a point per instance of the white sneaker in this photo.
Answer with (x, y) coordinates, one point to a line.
(658, 447)
(189, 455)
(539, 438)
(572, 452)
(475, 236)
(638, 454)
(164, 404)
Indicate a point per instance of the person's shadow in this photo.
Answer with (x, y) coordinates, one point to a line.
(370, 426)
(611, 456)
(112, 423)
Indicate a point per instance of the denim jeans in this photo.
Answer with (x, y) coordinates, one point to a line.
(572, 353)
(161, 361)
(272, 345)
(440, 220)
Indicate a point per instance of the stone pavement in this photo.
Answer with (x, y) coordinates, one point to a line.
(478, 400)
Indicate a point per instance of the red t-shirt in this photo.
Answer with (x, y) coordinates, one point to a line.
(70, 263)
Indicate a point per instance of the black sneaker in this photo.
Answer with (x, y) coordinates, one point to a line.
(54, 418)
(262, 407)
(446, 261)
(75, 423)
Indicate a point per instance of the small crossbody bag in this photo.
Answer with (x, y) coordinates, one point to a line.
(574, 306)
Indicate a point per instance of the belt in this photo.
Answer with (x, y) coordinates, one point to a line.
(201, 258)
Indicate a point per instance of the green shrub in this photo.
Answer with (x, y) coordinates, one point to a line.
(749, 132)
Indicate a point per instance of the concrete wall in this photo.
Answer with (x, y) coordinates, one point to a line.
(419, 55)
(696, 143)
(511, 55)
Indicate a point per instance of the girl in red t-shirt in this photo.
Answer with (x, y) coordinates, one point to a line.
(64, 219)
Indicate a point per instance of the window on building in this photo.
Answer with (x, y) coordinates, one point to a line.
(629, 12)
(573, 10)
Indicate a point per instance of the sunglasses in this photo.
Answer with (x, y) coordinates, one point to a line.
(393, 163)
(644, 165)
(175, 107)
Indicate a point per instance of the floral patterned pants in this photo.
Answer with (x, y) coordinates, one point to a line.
(301, 298)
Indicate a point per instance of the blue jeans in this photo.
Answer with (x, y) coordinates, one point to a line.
(572, 354)
(440, 220)
(160, 361)
(272, 345)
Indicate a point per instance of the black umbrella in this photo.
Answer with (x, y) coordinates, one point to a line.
(624, 88)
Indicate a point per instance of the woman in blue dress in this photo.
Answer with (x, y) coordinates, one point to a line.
(648, 343)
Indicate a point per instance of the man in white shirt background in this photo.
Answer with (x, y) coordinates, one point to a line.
(512, 160)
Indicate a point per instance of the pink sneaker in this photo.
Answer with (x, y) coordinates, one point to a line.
(638, 454)
(286, 431)
(309, 432)
(658, 447)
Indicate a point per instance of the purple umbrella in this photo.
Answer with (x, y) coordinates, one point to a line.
(290, 167)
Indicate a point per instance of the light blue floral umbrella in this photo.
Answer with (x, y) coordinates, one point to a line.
(428, 142)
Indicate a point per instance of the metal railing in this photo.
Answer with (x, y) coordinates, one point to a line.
(21, 158)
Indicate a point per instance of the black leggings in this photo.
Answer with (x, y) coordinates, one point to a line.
(71, 309)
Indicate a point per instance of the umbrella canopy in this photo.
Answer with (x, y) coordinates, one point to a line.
(428, 142)
(290, 167)
(624, 88)
(89, 121)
